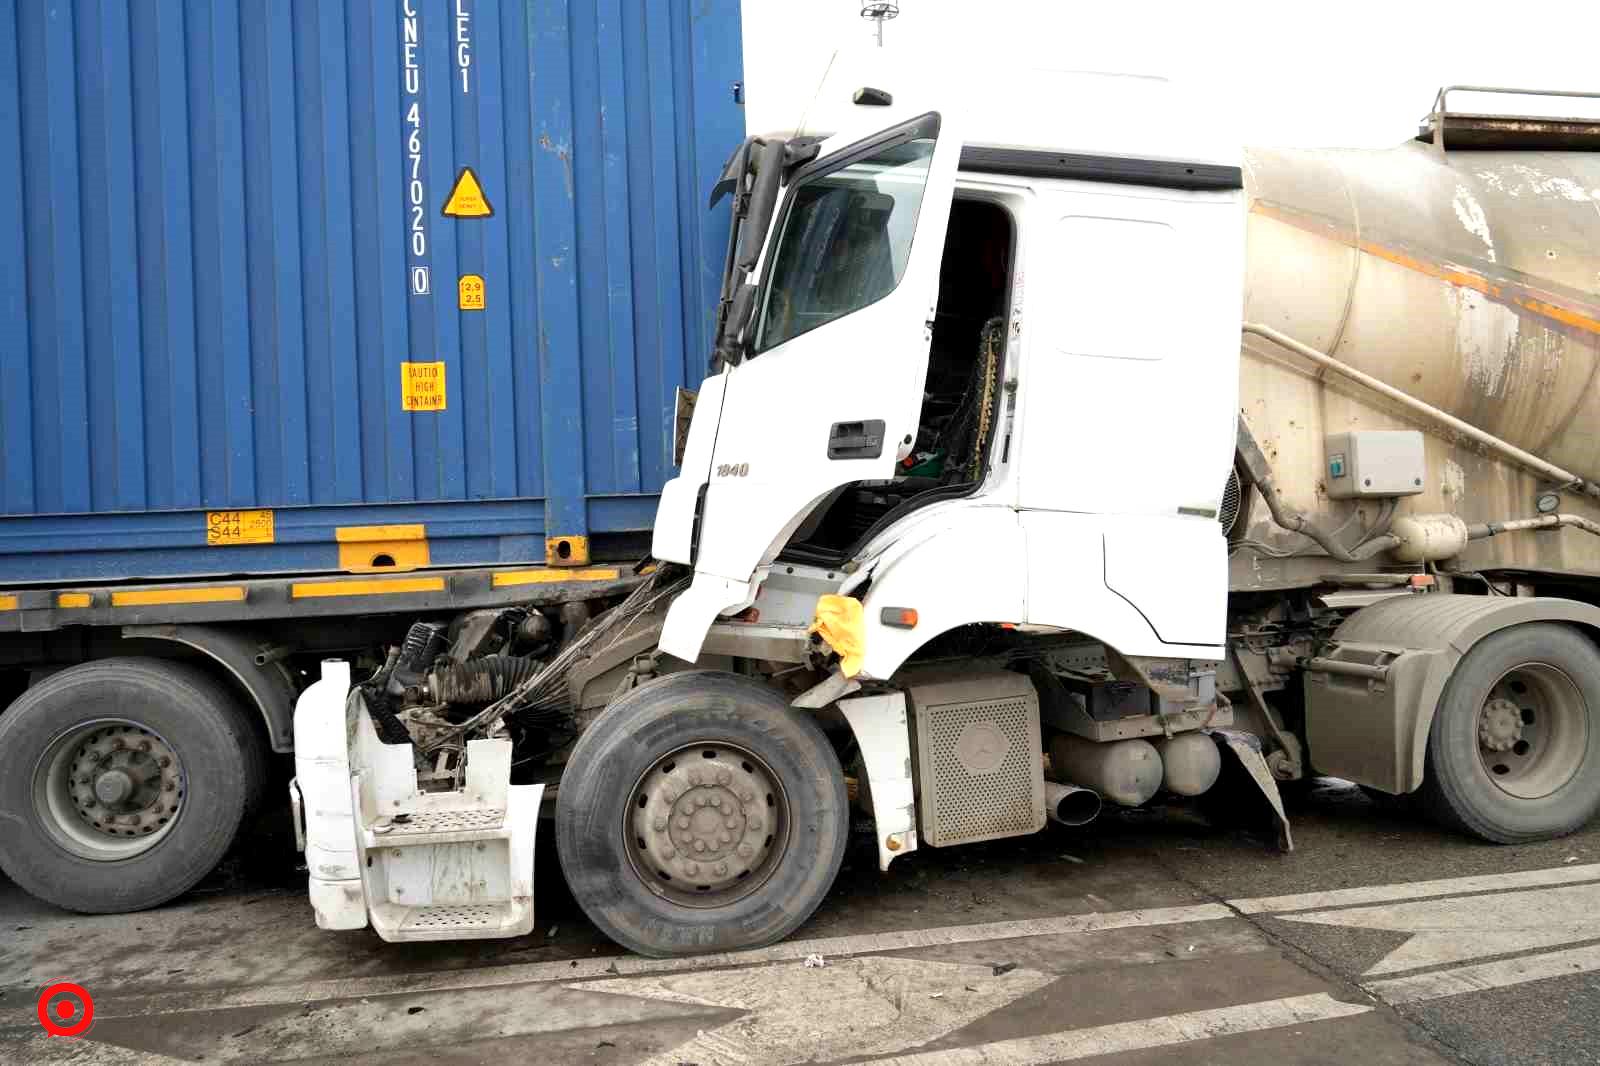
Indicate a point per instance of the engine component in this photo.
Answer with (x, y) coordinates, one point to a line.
(478, 633)
(1126, 772)
(424, 641)
(1427, 537)
(480, 680)
(1190, 763)
(574, 616)
(1071, 805)
(535, 629)
(979, 775)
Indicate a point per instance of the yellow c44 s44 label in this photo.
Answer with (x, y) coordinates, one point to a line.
(239, 527)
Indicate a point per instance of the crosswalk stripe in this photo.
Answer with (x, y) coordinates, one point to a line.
(1341, 897)
(1138, 1035)
(1483, 976)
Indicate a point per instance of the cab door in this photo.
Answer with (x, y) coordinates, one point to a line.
(836, 350)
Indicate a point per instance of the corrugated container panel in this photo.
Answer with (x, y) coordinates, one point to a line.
(227, 239)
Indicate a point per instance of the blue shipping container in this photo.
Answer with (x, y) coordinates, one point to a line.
(228, 282)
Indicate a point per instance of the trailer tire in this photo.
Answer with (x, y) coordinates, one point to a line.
(160, 751)
(1514, 748)
(719, 766)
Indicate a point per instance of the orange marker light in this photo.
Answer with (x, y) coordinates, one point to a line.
(899, 617)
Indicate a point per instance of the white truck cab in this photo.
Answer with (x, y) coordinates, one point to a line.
(931, 281)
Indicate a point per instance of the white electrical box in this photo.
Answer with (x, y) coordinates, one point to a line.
(1374, 462)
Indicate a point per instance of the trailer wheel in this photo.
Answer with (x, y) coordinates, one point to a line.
(699, 813)
(1514, 750)
(122, 783)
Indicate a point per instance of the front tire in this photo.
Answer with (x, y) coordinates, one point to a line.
(1514, 750)
(698, 814)
(122, 783)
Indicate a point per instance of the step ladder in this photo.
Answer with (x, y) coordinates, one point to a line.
(443, 865)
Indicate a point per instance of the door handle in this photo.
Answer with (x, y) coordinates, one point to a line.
(856, 440)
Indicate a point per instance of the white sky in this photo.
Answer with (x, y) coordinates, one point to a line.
(1332, 73)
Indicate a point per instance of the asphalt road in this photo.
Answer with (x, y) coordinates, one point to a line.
(1151, 937)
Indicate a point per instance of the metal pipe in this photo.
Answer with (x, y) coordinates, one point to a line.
(1481, 530)
(1529, 461)
(1335, 666)
(1071, 805)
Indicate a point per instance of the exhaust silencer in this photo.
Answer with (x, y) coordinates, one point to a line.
(1071, 805)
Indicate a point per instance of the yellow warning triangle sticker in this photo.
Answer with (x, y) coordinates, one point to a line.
(466, 199)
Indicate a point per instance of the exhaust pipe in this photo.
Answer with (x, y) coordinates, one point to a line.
(1071, 805)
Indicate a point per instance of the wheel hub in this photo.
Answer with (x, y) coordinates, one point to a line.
(1499, 725)
(704, 820)
(125, 782)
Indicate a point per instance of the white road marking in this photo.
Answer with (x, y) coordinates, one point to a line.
(1485, 976)
(108, 1004)
(869, 1006)
(1474, 927)
(1138, 1035)
(1341, 897)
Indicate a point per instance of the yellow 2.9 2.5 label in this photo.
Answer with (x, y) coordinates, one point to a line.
(239, 527)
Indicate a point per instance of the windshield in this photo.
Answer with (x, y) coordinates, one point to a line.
(845, 240)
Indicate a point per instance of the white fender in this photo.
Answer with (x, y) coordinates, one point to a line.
(975, 562)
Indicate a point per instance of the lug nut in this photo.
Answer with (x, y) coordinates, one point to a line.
(683, 823)
(722, 869)
(691, 868)
(699, 845)
(745, 851)
(755, 823)
(727, 837)
(723, 777)
(659, 825)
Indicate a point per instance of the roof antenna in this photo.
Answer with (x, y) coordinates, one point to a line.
(879, 11)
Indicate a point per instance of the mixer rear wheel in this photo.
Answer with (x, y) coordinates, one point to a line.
(1514, 751)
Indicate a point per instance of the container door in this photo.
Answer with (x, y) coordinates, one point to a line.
(831, 387)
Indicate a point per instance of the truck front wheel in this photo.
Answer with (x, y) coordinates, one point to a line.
(1514, 750)
(122, 783)
(699, 813)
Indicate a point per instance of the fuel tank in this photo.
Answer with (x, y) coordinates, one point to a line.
(1469, 279)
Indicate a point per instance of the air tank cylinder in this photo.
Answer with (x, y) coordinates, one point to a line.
(1428, 537)
(1126, 772)
(1190, 763)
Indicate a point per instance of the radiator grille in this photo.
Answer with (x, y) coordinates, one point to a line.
(978, 764)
